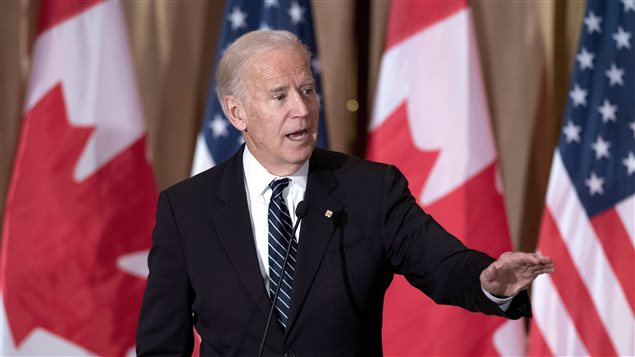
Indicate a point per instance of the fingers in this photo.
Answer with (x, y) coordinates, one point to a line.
(527, 259)
(545, 259)
(543, 269)
(546, 265)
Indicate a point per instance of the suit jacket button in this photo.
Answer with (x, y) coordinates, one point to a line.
(289, 354)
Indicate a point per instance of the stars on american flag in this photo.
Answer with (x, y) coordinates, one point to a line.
(615, 75)
(608, 111)
(602, 106)
(572, 132)
(601, 148)
(594, 183)
(585, 58)
(610, 142)
(628, 5)
(592, 23)
(271, 3)
(578, 95)
(622, 38)
(219, 126)
(296, 12)
(237, 18)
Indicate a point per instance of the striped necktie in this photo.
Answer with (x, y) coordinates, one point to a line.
(280, 229)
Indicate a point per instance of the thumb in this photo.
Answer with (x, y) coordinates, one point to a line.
(489, 274)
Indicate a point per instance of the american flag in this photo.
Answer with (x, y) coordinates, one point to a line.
(587, 307)
(218, 139)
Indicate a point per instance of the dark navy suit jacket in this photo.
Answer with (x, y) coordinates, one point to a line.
(204, 268)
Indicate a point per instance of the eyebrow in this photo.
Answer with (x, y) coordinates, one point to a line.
(279, 89)
(310, 82)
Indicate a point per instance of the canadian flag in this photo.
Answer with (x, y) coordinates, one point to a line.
(80, 205)
(431, 120)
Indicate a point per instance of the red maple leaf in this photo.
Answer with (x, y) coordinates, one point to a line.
(474, 211)
(62, 238)
(392, 143)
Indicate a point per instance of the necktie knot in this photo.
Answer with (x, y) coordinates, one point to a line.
(278, 185)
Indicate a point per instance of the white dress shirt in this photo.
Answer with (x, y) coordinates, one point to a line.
(257, 180)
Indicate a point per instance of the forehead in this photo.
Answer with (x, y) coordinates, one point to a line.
(288, 63)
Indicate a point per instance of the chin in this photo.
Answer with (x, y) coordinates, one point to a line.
(302, 155)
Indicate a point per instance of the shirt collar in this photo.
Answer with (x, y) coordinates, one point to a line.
(258, 178)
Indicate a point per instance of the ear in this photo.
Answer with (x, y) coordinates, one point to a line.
(236, 112)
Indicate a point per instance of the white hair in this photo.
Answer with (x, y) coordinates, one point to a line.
(231, 67)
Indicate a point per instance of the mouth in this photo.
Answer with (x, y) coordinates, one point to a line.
(300, 135)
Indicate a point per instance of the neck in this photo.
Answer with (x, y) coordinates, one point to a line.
(280, 170)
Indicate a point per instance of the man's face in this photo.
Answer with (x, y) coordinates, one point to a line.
(280, 110)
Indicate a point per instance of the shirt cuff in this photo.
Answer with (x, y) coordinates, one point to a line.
(503, 303)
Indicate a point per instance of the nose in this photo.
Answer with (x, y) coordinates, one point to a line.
(299, 105)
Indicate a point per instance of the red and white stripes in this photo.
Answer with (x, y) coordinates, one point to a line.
(586, 307)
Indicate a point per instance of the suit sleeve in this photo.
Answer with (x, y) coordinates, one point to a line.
(165, 322)
(430, 258)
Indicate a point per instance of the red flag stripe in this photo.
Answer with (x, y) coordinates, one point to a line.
(618, 248)
(552, 319)
(408, 17)
(53, 12)
(588, 256)
(573, 291)
(626, 211)
(538, 345)
(393, 143)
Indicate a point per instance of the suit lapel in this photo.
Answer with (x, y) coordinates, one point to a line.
(233, 226)
(316, 232)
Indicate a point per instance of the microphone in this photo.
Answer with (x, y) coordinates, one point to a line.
(300, 211)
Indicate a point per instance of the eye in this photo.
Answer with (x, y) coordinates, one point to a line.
(308, 91)
(279, 97)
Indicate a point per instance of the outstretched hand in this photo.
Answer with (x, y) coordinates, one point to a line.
(513, 272)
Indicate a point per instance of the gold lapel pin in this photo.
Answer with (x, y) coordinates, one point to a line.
(328, 213)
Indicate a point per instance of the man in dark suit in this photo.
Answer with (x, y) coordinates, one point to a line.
(214, 262)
